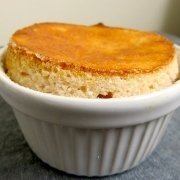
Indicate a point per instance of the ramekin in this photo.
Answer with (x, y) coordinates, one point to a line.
(90, 137)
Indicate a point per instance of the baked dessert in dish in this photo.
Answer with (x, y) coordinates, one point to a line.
(90, 61)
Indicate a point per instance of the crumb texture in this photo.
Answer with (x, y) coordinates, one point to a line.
(44, 77)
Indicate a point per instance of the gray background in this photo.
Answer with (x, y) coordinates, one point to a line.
(17, 161)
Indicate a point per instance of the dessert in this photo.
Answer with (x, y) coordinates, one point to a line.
(90, 61)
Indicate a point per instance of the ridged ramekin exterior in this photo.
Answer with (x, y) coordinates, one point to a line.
(91, 137)
(91, 152)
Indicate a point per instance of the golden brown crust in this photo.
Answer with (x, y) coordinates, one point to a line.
(96, 49)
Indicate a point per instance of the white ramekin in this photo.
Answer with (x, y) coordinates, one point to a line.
(91, 137)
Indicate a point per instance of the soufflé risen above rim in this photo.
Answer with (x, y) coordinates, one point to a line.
(90, 61)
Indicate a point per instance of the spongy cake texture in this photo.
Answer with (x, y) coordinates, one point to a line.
(90, 61)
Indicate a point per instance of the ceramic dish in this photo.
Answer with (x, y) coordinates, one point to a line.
(91, 137)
